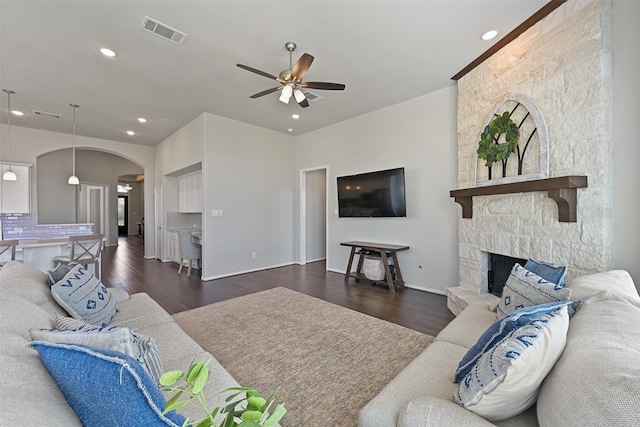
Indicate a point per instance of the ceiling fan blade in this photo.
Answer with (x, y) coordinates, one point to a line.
(304, 103)
(266, 92)
(301, 67)
(323, 85)
(253, 70)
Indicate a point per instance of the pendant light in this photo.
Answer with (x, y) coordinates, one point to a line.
(127, 186)
(73, 179)
(9, 175)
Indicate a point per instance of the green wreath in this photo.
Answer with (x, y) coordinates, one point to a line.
(489, 149)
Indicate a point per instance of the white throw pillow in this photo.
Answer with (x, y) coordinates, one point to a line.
(506, 379)
(84, 297)
(526, 289)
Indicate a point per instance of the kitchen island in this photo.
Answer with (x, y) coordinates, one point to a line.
(40, 252)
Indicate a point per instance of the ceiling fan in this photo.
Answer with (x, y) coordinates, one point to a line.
(291, 79)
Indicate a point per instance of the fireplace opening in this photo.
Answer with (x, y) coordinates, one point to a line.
(499, 268)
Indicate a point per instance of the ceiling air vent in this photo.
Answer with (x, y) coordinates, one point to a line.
(162, 30)
(312, 97)
(45, 114)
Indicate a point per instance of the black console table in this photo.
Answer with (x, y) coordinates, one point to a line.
(383, 249)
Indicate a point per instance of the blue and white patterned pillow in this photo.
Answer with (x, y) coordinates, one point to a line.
(506, 378)
(525, 289)
(104, 387)
(84, 297)
(552, 273)
(499, 330)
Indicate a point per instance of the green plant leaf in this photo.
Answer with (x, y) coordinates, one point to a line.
(201, 380)
(276, 416)
(194, 371)
(256, 402)
(251, 416)
(170, 377)
(174, 405)
(206, 422)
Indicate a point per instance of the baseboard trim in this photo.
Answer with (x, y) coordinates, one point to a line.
(236, 273)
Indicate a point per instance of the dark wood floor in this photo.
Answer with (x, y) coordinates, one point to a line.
(124, 266)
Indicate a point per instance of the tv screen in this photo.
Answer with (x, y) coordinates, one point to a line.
(372, 194)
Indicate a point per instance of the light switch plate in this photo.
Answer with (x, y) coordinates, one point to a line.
(216, 212)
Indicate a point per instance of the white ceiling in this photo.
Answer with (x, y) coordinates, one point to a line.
(385, 52)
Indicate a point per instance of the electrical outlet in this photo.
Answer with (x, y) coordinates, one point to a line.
(254, 255)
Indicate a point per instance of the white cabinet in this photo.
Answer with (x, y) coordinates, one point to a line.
(15, 196)
(190, 192)
(173, 246)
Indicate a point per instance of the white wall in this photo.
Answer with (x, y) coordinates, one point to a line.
(419, 135)
(626, 133)
(248, 173)
(28, 144)
(93, 167)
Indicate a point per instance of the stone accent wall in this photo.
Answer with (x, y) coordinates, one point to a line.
(564, 64)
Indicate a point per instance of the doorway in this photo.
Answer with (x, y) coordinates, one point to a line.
(313, 214)
(123, 215)
(94, 209)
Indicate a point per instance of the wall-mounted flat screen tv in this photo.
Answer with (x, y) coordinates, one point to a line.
(372, 194)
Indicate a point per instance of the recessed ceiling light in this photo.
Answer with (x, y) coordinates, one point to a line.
(290, 130)
(130, 133)
(489, 35)
(107, 52)
(295, 116)
(142, 120)
(17, 113)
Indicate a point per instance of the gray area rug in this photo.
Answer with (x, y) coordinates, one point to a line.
(328, 361)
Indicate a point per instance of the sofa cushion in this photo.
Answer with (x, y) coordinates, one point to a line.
(18, 315)
(597, 379)
(430, 373)
(84, 297)
(505, 380)
(525, 289)
(105, 388)
(469, 325)
(615, 281)
(140, 311)
(550, 273)
(28, 282)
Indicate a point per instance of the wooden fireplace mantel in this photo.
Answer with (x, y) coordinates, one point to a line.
(563, 190)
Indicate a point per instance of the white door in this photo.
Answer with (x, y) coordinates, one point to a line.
(313, 214)
(93, 207)
(157, 202)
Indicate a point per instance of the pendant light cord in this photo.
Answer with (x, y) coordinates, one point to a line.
(74, 141)
(9, 92)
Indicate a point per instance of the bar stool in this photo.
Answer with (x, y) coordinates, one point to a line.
(189, 251)
(84, 250)
(7, 251)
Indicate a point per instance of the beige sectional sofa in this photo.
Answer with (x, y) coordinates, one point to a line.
(595, 382)
(28, 395)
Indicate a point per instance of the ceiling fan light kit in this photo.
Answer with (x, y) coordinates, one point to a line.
(291, 79)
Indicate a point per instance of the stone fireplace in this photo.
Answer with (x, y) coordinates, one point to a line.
(564, 64)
